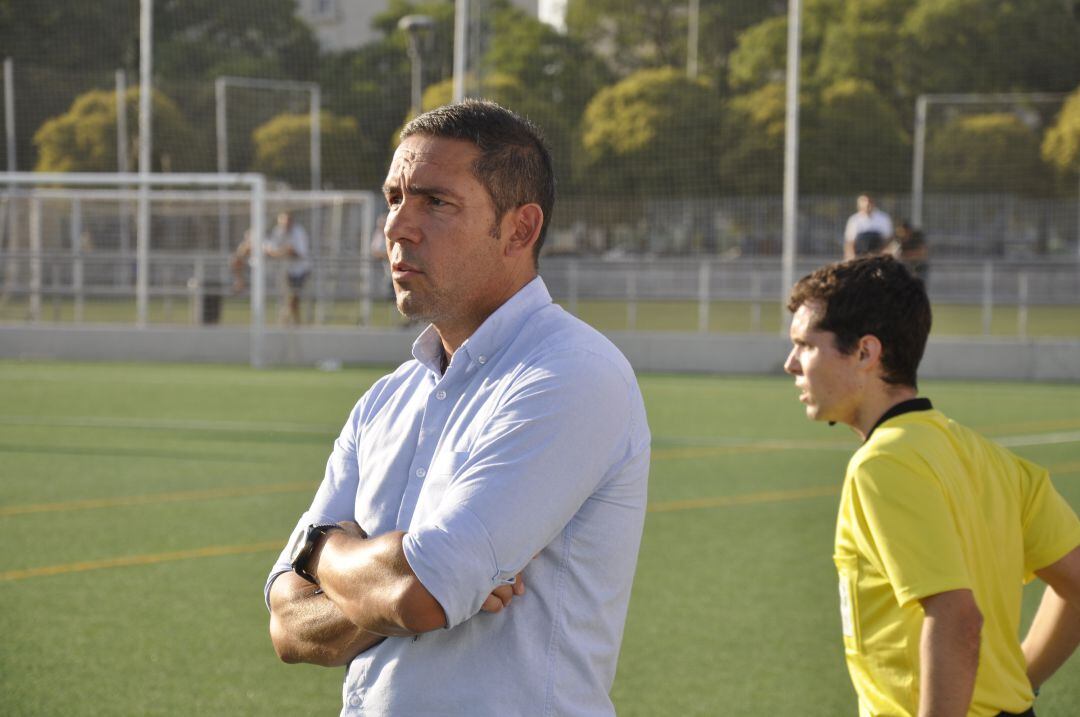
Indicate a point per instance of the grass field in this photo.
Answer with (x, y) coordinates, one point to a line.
(724, 316)
(142, 505)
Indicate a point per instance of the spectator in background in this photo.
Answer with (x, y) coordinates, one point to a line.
(909, 246)
(288, 241)
(867, 230)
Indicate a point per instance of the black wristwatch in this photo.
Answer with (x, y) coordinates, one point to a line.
(302, 547)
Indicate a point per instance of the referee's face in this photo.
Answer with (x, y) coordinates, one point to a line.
(827, 379)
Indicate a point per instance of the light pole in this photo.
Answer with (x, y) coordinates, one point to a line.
(416, 27)
(693, 18)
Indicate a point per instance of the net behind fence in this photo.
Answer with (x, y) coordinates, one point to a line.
(666, 120)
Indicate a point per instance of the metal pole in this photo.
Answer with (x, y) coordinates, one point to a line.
(461, 23)
(11, 268)
(1022, 305)
(692, 39)
(220, 126)
(35, 259)
(221, 129)
(142, 248)
(123, 162)
(9, 112)
(316, 138)
(258, 279)
(791, 161)
(917, 163)
(123, 158)
(988, 297)
(704, 274)
(77, 259)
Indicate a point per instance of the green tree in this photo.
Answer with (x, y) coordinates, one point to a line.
(864, 43)
(283, 151)
(201, 39)
(639, 34)
(989, 46)
(1061, 144)
(853, 139)
(84, 138)
(373, 82)
(654, 133)
(993, 152)
(751, 156)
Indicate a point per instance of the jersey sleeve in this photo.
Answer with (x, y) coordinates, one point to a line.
(909, 529)
(1051, 528)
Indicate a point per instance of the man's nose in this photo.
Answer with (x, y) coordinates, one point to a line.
(792, 366)
(400, 224)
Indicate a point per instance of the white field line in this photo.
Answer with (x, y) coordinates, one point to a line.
(665, 442)
(167, 424)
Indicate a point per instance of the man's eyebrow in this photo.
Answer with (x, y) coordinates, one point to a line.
(420, 189)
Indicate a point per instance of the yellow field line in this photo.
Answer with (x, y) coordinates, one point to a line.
(128, 560)
(720, 501)
(128, 500)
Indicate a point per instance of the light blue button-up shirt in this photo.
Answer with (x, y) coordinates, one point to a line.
(530, 453)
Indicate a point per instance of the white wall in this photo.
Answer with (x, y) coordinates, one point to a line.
(953, 358)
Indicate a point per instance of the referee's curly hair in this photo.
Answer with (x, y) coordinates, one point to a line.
(873, 295)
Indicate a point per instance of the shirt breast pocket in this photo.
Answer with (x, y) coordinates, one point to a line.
(847, 568)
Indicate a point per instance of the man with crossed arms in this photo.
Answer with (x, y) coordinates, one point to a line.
(512, 451)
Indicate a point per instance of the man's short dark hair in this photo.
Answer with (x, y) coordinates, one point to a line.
(877, 296)
(514, 163)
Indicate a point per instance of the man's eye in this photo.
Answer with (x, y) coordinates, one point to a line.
(436, 202)
(393, 200)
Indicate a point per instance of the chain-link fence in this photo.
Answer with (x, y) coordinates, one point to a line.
(666, 118)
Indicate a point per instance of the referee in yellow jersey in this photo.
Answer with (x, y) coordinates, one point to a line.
(938, 528)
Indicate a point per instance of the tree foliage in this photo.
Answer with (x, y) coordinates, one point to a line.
(993, 152)
(283, 151)
(652, 134)
(84, 138)
(655, 34)
(1061, 145)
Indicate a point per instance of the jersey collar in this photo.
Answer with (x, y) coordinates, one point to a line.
(912, 404)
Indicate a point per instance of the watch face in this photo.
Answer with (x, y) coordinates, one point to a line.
(296, 542)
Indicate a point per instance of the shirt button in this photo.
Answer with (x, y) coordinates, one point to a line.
(440, 394)
(354, 700)
(421, 472)
(481, 359)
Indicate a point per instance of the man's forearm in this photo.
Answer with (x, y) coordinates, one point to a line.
(1055, 631)
(372, 584)
(305, 626)
(949, 654)
(1052, 638)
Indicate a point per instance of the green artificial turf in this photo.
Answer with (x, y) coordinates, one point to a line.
(194, 475)
(722, 316)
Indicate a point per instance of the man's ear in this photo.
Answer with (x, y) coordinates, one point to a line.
(868, 351)
(524, 224)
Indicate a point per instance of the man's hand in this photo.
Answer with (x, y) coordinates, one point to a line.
(501, 596)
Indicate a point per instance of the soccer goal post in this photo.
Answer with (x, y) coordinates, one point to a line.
(161, 251)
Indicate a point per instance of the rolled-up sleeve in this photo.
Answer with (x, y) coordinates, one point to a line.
(335, 499)
(562, 429)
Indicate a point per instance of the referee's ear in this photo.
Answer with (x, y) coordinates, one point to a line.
(868, 352)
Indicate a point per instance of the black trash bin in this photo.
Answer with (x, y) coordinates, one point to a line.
(208, 296)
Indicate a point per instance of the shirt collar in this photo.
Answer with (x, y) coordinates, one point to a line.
(912, 404)
(496, 331)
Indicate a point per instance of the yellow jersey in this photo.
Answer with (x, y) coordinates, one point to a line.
(930, 506)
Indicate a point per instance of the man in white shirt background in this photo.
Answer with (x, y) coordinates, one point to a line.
(867, 230)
